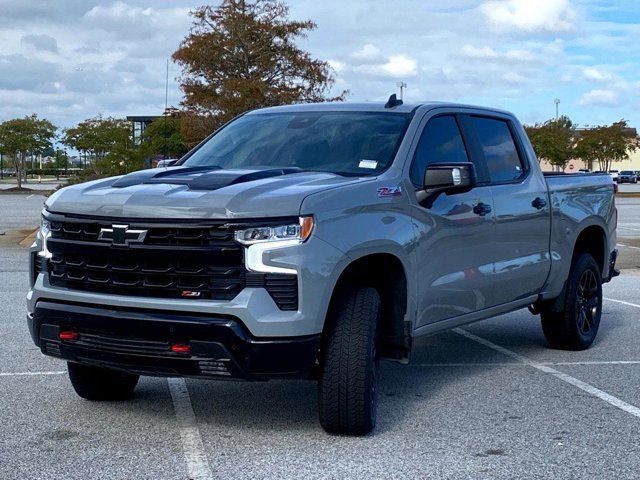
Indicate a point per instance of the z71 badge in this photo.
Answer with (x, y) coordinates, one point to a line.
(390, 191)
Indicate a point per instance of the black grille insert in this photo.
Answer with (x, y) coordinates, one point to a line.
(184, 261)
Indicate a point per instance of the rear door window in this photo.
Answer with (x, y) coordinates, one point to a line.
(499, 149)
(440, 142)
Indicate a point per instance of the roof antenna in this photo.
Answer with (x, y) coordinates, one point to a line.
(393, 101)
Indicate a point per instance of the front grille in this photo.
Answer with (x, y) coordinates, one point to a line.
(192, 261)
(161, 236)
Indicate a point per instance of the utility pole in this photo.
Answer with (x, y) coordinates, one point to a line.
(557, 102)
(401, 86)
(166, 104)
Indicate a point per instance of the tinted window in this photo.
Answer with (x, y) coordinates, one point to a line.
(440, 142)
(499, 149)
(350, 143)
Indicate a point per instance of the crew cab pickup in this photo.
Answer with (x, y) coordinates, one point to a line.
(312, 241)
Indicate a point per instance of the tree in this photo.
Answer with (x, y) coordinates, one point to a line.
(554, 141)
(97, 137)
(164, 137)
(109, 142)
(242, 55)
(606, 144)
(22, 136)
(61, 161)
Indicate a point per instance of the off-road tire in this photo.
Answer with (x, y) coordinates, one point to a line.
(576, 326)
(96, 383)
(348, 379)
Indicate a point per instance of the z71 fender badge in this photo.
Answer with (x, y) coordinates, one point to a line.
(390, 191)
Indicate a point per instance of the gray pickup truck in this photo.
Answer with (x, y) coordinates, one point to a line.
(312, 241)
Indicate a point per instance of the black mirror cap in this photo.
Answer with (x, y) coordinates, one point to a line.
(449, 177)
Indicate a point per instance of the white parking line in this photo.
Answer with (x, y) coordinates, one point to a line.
(629, 304)
(30, 196)
(628, 246)
(192, 447)
(521, 365)
(28, 374)
(596, 392)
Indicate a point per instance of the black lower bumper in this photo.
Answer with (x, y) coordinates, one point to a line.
(140, 342)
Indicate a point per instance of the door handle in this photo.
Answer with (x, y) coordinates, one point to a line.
(482, 209)
(539, 203)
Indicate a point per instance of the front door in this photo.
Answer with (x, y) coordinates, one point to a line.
(454, 252)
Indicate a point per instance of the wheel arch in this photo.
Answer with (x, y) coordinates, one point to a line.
(592, 239)
(385, 272)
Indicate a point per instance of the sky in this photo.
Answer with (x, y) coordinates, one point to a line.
(68, 60)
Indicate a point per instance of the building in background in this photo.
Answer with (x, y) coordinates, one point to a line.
(139, 124)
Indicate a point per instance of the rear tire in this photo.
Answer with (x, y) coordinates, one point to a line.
(348, 381)
(576, 326)
(96, 383)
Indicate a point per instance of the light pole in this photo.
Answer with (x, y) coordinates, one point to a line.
(401, 86)
(557, 102)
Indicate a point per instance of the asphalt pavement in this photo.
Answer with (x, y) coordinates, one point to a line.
(487, 401)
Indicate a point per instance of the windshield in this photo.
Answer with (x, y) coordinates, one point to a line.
(347, 143)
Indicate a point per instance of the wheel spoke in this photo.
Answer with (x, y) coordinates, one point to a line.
(581, 319)
(587, 321)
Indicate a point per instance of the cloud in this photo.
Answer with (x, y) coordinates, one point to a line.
(397, 66)
(514, 78)
(18, 72)
(600, 98)
(597, 75)
(488, 53)
(40, 42)
(129, 21)
(371, 61)
(367, 54)
(529, 15)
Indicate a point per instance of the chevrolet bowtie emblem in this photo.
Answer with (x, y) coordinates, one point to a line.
(121, 235)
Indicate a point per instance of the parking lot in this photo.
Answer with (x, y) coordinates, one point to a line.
(487, 401)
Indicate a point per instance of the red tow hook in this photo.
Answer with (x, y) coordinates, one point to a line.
(69, 335)
(180, 348)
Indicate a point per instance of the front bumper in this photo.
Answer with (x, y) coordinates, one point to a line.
(139, 341)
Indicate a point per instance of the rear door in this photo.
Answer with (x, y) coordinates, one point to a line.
(453, 254)
(521, 207)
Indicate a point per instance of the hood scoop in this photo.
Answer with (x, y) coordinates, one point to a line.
(199, 178)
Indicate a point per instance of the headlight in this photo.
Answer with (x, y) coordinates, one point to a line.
(45, 233)
(298, 231)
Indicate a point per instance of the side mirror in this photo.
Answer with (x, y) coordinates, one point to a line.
(449, 178)
(446, 178)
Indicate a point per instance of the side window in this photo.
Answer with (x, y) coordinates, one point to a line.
(499, 149)
(440, 142)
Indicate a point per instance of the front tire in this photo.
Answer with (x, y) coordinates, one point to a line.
(348, 381)
(576, 326)
(96, 383)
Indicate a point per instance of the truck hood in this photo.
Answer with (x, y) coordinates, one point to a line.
(196, 193)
